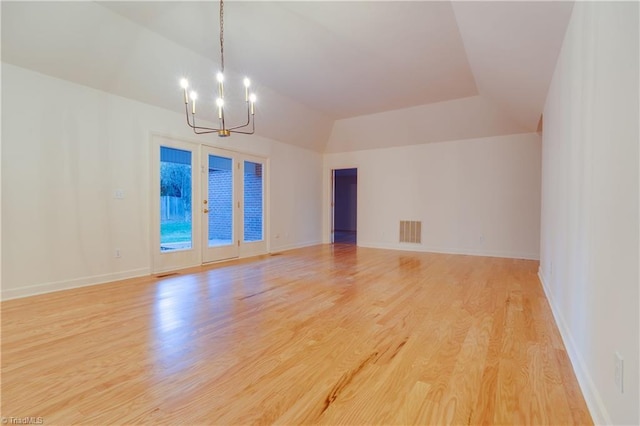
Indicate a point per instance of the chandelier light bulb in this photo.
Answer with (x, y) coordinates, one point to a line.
(194, 96)
(220, 103)
(247, 83)
(220, 77)
(184, 84)
(252, 98)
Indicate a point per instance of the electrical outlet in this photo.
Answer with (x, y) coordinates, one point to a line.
(619, 373)
(481, 239)
(118, 254)
(118, 194)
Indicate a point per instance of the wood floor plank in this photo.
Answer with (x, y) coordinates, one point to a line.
(330, 334)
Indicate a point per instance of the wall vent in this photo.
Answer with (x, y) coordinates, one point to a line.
(410, 231)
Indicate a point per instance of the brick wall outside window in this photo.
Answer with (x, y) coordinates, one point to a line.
(220, 204)
(252, 201)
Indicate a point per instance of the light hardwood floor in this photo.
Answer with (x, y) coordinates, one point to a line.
(325, 334)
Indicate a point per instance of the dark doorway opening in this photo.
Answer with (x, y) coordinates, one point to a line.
(345, 206)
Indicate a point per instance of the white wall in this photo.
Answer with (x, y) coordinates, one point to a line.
(66, 148)
(296, 197)
(590, 226)
(475, 196)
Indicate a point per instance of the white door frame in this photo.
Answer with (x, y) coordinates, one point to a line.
(230, 251)
(171, 260)
(253, 248)
(168, 261)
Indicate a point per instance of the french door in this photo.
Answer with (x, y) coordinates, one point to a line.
(208, 204)
(232, 205)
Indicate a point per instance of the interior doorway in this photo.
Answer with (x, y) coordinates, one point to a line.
(345, 206)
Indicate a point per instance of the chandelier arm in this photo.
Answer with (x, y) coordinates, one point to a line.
(231, 129)
(209, 129)
(248, 119)
(242, 125)
(244, 133)
(196, 128)
(186, 113)
(204, 133)
(253, 129)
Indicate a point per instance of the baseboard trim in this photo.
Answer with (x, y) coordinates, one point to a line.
(592, 397)
(466, 252)
(51, 287)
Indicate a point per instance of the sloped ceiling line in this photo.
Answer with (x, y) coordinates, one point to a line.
(313, 62)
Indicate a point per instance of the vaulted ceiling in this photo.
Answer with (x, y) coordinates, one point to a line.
(312, 62)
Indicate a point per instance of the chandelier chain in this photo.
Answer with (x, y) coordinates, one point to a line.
(222, 36)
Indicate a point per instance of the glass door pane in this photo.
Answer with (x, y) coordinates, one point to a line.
(252, 214)
(220, 199)
(176, 225)
(253, 202)
(219, 205)
(174, 189)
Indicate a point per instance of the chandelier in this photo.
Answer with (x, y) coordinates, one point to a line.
(250, 99)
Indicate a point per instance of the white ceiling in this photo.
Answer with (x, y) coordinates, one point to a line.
(313, 62)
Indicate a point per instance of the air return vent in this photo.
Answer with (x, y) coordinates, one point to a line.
(410, 231)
